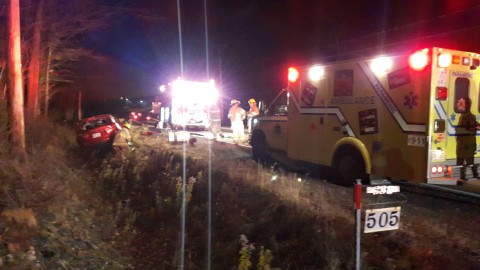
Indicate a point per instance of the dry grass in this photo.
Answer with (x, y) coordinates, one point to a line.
(50, 217)
(434, 234)
(96, 212)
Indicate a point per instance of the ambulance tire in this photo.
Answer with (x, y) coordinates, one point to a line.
(350, 166)
(259, 147)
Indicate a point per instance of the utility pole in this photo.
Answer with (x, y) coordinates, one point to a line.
(16, 114)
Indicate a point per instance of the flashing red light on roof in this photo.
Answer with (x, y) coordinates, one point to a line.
(444, 60)
(293, 74)
(418, 60)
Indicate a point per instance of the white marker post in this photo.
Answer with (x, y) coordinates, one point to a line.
(358, 209)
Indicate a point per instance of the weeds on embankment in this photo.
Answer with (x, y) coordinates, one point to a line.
(58, 211)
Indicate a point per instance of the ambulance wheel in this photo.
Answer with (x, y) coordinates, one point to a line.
(259, 147)
(350, 166)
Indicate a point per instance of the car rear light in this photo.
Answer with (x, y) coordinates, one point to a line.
(418, 60)
(149, 118)
(109, 130)
(444, 60)
(442, 93)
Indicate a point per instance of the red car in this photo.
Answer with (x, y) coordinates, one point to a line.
(97, 130)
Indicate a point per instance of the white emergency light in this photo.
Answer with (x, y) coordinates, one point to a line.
(203, 92)
(444, 60)
(381, 65)
(316, 73)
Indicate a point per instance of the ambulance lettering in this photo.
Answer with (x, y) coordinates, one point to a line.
(462, 74)
(353, 100)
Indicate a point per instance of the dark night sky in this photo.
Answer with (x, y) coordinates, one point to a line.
(251, 43)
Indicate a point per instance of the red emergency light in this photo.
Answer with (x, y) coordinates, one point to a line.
(293, 74)
(418, 60)
(442, 93)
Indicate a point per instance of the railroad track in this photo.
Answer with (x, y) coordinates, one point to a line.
(468, 193)
(465, 195)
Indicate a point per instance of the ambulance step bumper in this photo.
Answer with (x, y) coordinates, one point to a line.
(443, 181)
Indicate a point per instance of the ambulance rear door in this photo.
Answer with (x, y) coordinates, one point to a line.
(462, 112)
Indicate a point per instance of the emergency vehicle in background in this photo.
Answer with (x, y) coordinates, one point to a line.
(390, 117)
(186, 104)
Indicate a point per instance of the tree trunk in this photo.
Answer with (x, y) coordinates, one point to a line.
(47, 81)
(79, 105)
(16, 116)
(34, 66)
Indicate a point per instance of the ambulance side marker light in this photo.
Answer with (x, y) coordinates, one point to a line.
(456, 60)
(442, 93)
(293, 74)
(466, 61)
(444, 60)
(475, 62)
(449, 170)
(418, 60)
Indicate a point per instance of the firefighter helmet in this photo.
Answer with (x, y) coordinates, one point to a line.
(251, 101)
(127, 125)
(234, 101)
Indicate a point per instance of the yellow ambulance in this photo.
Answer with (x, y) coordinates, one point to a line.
(410, 116)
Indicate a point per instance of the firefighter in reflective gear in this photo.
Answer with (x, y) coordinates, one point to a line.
(237, 114)
(122, 140)
(251, 113)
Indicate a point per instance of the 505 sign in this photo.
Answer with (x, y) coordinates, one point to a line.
(384, 219)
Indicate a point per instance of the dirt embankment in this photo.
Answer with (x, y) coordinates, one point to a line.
(434, 233)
